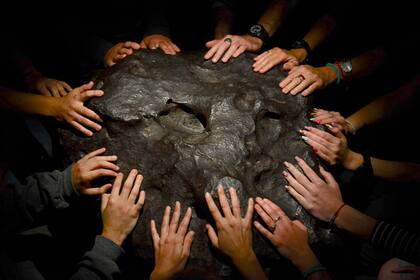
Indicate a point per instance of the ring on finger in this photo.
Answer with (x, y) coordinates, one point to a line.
(228, 40)
(273, 227)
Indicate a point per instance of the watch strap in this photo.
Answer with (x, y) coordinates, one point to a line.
(262, 34)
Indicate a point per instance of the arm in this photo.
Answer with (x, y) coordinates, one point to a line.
(69, 108)
(223, 19)
(24, 204)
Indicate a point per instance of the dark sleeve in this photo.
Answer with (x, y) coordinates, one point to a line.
(26, 204)
(155, 18)
(100, 262)
(397, 241)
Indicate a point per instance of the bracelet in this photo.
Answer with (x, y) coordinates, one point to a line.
(336, 70)
(352, 128)
(332, 220)
(312, 270)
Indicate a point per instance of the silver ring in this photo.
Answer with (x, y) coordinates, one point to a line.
(300, 78)
(228, 40)
(276, 219)
(273, 227)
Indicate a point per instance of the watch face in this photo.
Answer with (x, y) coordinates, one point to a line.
(255, 29)
(346, 66)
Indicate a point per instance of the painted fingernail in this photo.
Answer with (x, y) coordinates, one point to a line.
(297, 158)
(318, 122)
(285, 174)
(301, 132)
(329, 126)
(286, 187)
(304, 138)
(312, 119)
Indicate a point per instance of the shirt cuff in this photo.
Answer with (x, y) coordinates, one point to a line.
(69, 192)
(107, 248)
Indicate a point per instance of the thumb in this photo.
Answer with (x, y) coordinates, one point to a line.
(212, 235)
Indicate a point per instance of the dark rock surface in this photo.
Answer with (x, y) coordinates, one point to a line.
(188, 125)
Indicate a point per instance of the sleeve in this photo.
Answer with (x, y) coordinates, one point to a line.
(397, 241)
(100, 262)
(26, 204)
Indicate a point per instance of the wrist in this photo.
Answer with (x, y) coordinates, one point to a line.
(159, 274)
(352, 160)
(305, 261)
(257, 42)
(301, 54)
(244, 259)
(52, 107)
(332, 74)
(117, 238)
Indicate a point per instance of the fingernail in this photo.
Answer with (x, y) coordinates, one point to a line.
(285, 174)
(286, 187)
(297, 158)
(304, 138)
(301, 132)
(329, 126)
(312, 119)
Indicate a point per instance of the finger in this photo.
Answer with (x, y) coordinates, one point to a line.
(183, 227)
(90, 114)
(298, 175)
(288, 66)
(143, 45)
(321, 151)
(44, 91)
(235, 202)
(175, 47)
(300, 225)
(117, 185)
(106, 158)
(125, 51)
(211, 44)
(95, 153)
(302, 201)
(85, 87)
(132, 45)
(261, 57)
(292, 85)
(98, 173)
(228, 54)
(187, 243)
(250, 210)
(164, 228)
(91, 93)
(265, 232)
(261, 63)
(276, 210)
(66, 86)
(104, 201)
(310, 89)
(308, 171)
(98, 191)
(295, 184)
(94, 163)
(81, 128)
(301, 87)
(270, 64)
(212, 236)
(268, 220)
(61, 90)
(290, 77)
(167, 49)
(328, 177)
(155, 235)
(86, 122)
(224, 202)
(239, 51)
(54, 91)
(322, 137)
(220, 51)
(175, 218)
(128, 184)
(140, 201)
(135, 191)
(217, 216)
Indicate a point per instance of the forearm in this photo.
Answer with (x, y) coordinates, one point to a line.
(12, 100)
(367, 63)
(223, 18)
(274, 16)
(386, 106)
(320, 31)
(355, 222)
(249, 267)
(402, 172)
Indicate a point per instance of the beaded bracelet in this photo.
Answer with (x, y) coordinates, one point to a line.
(336, 70)
(312, 270)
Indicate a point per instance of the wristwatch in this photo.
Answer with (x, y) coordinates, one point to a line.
(257, 30)
(346, 66)
(302, 44)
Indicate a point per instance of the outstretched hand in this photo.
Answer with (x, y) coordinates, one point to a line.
(120, 51)
(173, 245)
(231, 46)
(91, 167)
(157, 41)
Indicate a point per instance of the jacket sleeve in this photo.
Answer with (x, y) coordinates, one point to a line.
(27, 204)
(100, 262)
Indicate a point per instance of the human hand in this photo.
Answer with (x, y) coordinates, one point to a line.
(289, 237)
(320, 197)
(90, 167)
(172, 247)
(49, 87)
(71, 109)
(121, 209)
(162, 42)
(119, 51)
(334, 119)
(231, 46)
(305, 79)
(234, 233)
(273, 57)
(331, 147)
